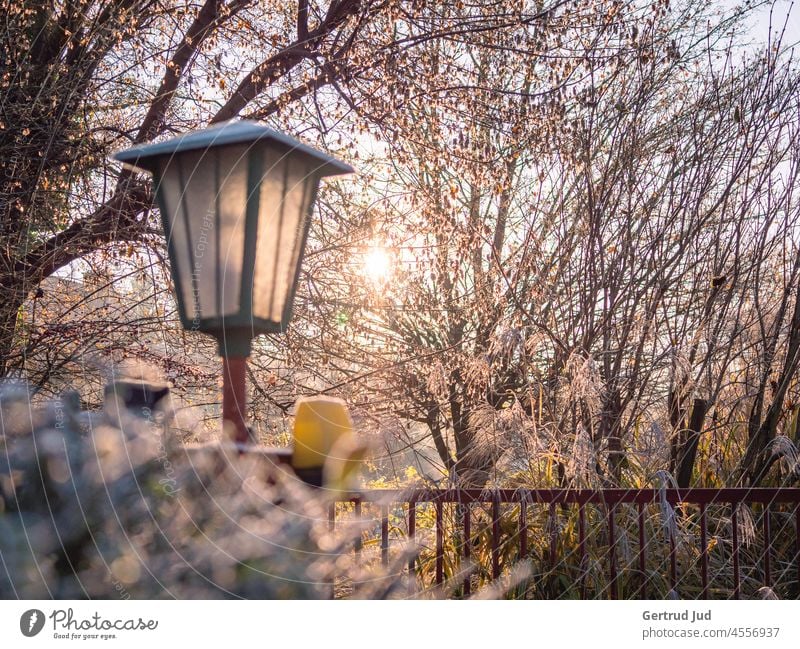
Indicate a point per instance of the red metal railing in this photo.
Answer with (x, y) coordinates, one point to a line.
(689, 507)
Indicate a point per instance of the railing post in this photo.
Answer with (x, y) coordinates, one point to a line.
(384, 535)
(767, 547)
(797, 544)
(612, 551)
(582, 546)
(467, 539)
(737, 581)
(439, 541)
(642, 546)
(495, 538)
(703, 551)
(412, 535)
(553, 524)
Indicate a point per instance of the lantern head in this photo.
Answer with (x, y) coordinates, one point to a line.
(235, 202)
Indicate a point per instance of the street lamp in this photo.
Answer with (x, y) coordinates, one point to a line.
(235, 202)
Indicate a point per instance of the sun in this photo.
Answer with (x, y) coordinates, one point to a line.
(377, 265)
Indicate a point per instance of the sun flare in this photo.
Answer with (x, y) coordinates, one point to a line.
(377, 265)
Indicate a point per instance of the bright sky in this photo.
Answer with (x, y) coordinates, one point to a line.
(782, 11)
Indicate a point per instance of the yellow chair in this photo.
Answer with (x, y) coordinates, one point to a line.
(319, 423)
(324, 437)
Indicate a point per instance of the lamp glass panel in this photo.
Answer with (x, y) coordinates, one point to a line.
(199, 171)
(310, 182)
(170, 190)
(283, 205)
(233, 165)
(206, 195)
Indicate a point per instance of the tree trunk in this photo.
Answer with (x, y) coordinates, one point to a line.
(611, 430)
(687, 452)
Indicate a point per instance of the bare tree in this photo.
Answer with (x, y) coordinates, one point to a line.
(574, 260)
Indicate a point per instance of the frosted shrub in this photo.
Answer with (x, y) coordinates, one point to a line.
(116, 512)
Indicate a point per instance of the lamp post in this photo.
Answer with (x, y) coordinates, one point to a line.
(235, 202)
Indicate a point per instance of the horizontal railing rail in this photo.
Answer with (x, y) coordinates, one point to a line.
(619, 510)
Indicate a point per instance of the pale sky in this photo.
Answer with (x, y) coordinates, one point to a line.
(782, 11)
